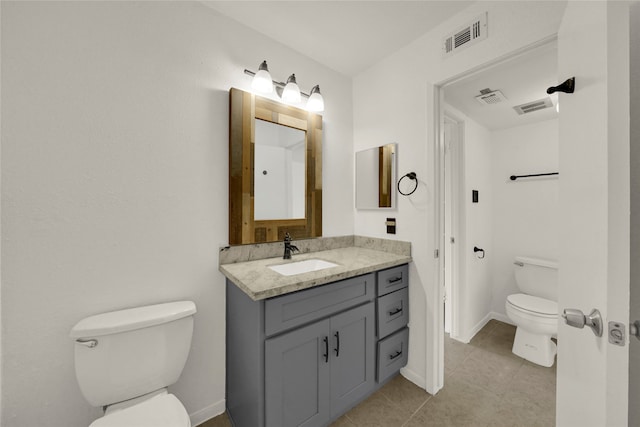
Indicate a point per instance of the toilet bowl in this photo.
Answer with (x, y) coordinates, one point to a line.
(535, 310)
(125, 360)
(158, 410)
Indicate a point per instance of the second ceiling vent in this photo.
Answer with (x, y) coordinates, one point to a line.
(530, 107)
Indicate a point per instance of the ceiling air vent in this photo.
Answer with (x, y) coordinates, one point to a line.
(530, 107)
(467, 35)
(490, 97)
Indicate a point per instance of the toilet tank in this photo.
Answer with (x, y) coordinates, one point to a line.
(137, 351)
(537, 277)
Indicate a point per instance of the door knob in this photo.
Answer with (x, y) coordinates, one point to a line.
(634, 329)
(577, 319)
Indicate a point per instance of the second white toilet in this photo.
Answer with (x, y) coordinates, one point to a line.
(535, 310)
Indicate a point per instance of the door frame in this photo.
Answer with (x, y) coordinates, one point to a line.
(439, 177)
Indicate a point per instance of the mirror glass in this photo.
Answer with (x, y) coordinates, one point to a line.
(375, 177)
(279, 171)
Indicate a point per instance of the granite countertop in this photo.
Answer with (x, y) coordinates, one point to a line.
(260, 282)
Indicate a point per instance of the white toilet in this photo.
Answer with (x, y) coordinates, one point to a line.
(125, 360)
(535, 310)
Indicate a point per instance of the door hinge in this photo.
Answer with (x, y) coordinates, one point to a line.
(436, 253)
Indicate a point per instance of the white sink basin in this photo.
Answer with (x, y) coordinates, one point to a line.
(299, 267)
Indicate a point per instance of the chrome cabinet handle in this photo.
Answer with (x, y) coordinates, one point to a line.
(394, 356)
(88, 343)
(394, 312)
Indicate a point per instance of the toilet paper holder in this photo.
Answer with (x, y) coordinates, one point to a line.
(476, 250)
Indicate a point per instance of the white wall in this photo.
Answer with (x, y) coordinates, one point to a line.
(472, 301)
(393, 102)
(476, 287)
(114, 182)
(525, 212)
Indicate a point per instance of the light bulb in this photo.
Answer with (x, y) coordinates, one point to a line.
(315, 102)
(262, 81)
(291, 92)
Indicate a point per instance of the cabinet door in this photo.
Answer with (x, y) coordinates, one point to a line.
(352, 357)
(297, 377)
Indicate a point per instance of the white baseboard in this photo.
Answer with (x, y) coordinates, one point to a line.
(413, 377)
(469, 336)
(492, 315)
(501, 317)
(207, 413)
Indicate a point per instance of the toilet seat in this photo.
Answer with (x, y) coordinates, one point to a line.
(163, 410)
(534, 305)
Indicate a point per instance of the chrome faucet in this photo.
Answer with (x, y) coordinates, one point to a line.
(288, 247)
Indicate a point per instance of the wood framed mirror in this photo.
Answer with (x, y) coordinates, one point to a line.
(275, 170)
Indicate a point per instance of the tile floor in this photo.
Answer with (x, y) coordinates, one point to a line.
(485, 385)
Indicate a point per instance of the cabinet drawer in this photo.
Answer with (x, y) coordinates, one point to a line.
(291, 310)
(392, 354)
(392, 279)
(393, 312)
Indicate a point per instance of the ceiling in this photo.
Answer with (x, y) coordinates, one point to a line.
(521, 80)
(347, 36)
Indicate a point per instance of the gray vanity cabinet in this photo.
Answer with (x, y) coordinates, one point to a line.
(316, 372)
(305, 358)
(297, 377)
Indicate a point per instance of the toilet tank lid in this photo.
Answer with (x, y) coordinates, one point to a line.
(537, 261)
(131, 319)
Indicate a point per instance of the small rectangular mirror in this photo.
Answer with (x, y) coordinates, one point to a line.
(376, 177)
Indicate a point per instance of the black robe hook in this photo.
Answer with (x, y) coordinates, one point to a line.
(567, 86)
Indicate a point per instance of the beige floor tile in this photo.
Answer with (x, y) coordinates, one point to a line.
(535, 384)
(404, 394)
(343, 421)
(491, 324)
(517, 411)
(490, 371)
(484, 333)
(220, 421)
(504, 330)
(378, 411)
(459, 404)
(498, 344)
(455, 352)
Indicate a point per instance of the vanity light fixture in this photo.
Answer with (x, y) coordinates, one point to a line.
(289, 92)
(262, 79)
(315, 102)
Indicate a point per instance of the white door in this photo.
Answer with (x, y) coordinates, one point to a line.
(593, 46)
(634, 349)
